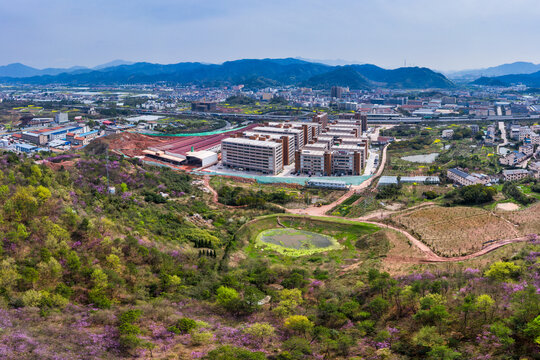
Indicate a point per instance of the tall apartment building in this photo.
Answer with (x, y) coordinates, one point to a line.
(254, 155)
(321, 118)
(348, 160)
(287, 140)
(284, 130)
(338, 160)
(356, 118)
(310, 162)
(338, 91)
(363, 120)
(311, 129)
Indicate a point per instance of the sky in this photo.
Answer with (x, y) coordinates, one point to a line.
(443, 35)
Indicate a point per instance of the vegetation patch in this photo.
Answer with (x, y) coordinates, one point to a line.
(294, 242)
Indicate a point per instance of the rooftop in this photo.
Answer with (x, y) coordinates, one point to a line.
(515, 171)
(245, 141)
(277, 129)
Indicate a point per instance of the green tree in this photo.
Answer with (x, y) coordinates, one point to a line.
(228, 352)
(503, 333)
(433, 310)
(502, 270)
(100, 280)
(484, 303)
(298, 323)
(442, 352)
(8, 274)
(260, 330)
(533, 329)
(466, 307)
(42, 193)
(49, 272)
(378, 306)
(226, 295)
(427, 336)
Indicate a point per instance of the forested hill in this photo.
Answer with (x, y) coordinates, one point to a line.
(157, 270)
(250, 72)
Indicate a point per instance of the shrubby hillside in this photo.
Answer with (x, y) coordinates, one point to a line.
(155, 271)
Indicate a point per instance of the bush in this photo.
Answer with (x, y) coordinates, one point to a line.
(183, 326)
(125, 326)
(99, 299)
(228, 352)
(203, 337)
(297, 346)
(430, 195)
(298, 323)
(260, 330)
(389, 191)
(511, 190)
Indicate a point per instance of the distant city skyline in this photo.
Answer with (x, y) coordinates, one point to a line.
(442, 35)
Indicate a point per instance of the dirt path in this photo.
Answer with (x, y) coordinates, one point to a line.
(206, 182)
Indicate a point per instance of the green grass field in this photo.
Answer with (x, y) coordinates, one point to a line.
(344, 233)
(294, 242)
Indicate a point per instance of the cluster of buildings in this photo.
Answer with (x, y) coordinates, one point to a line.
(45, 134)
(516, 158)
(320, 147)
(529, 138)
(526, 134)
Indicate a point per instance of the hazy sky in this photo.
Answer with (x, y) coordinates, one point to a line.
(441, 34)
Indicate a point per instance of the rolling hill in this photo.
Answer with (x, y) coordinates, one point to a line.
(345, 76)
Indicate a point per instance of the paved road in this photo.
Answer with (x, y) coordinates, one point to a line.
(502, 128)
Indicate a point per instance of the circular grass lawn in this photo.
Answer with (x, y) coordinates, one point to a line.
(294, 242)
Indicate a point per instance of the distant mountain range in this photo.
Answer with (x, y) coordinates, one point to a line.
(18, 70)
(519, 67)
(254, 73)
(531, 80)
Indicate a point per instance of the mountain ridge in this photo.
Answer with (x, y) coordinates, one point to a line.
(255, 72)
(531, 80)
(518, 67)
